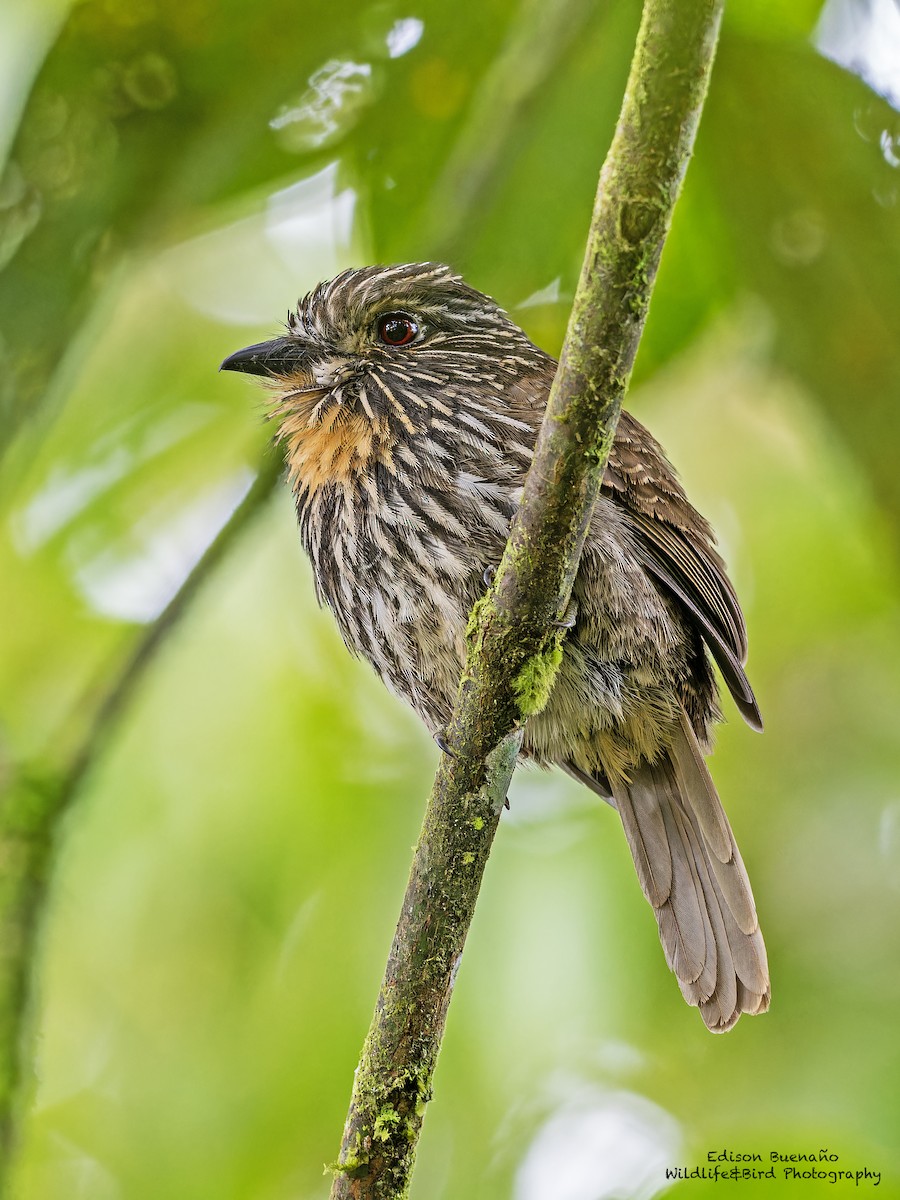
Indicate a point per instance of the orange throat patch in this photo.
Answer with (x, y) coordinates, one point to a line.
(333, 448)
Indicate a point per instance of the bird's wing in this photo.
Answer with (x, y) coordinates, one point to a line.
(676, 545)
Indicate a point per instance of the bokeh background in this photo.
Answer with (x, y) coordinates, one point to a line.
(227, 881)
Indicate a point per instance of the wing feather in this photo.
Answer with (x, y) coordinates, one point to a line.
(676, 545)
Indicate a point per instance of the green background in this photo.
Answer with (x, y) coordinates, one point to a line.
(227, 884)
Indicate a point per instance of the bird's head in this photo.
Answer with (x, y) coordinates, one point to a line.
(380, 358)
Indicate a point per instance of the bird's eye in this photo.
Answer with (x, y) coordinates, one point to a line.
(396, 329)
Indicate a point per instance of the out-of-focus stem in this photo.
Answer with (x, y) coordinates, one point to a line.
(31, 805)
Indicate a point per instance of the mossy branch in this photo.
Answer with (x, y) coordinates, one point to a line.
(514, 642)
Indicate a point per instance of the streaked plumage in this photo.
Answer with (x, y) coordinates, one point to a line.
(407, 461)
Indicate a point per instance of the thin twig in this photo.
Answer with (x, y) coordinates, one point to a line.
(33, 804)
(114, 703)
(514, 649)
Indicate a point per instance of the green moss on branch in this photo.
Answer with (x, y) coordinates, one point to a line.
(534, 682)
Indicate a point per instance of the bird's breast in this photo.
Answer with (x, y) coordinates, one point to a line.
(400, 572)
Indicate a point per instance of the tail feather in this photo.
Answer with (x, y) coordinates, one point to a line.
(695, 780)
(741, 967)
(645, 830)
(705, 983)
(683, 919)
(732, 882)
(692, 873)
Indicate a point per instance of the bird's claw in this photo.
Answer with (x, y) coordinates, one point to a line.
(440, 740)
(569, 617)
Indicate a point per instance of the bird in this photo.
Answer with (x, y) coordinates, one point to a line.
(408, 404)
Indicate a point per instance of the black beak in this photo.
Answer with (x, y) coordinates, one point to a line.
(281, 356)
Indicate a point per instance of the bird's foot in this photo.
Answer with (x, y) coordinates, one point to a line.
(440, 739)
(569, 617)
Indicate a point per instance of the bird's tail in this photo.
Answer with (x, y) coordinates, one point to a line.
(691, 872)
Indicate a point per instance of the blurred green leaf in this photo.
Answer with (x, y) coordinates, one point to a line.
(228, 887)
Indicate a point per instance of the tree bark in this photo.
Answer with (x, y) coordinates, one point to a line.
(514, 636)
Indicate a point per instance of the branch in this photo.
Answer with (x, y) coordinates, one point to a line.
(142, 653)
(32, 804)
(514, 650)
